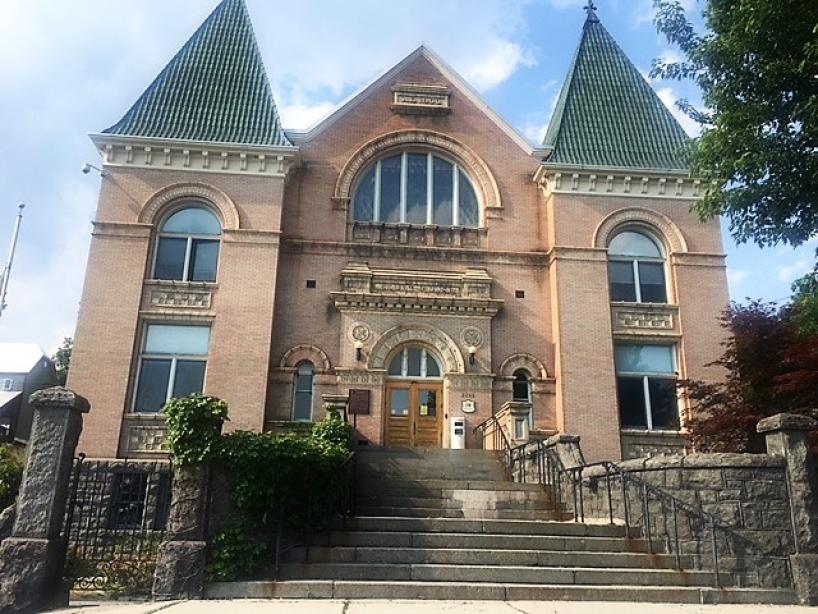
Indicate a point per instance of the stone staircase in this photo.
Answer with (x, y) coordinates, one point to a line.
(447, 524)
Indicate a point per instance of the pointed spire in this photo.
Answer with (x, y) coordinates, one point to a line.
(607, 113)
(215, 89)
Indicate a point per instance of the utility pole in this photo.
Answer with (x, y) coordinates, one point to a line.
(6, 273)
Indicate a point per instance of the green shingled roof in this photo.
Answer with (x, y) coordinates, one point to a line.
(608, 115)
(215, 89)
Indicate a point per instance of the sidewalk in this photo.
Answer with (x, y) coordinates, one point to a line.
(320, 606)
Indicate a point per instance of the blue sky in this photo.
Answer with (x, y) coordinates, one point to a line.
(68, 69)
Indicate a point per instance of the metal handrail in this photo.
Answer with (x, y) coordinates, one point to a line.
(500, 442)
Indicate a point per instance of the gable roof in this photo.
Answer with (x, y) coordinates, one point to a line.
(607, 113)
(19, 357)
(215, 89)
(386, 77)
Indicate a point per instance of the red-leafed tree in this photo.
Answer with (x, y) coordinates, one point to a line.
(771, 366)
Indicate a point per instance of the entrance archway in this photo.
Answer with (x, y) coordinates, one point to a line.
(414, 398)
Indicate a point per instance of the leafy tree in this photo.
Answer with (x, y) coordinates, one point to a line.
(757, 67)
(805, 303)
(770, 367)
(62, 359)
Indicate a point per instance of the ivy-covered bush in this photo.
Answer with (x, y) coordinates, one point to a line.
(11, 473)
(194, 426)
(234, 554)
(333, 430)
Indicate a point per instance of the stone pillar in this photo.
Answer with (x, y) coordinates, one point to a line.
(513, 418)
(567, 449)
(788, 436)
(336, 404)
(32, 559)
(180, 564)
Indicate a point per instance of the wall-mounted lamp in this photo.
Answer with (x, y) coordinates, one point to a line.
(87, 168)
(359, 350)
(472, 352)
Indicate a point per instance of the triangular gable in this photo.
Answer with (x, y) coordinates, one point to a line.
(385, 78)
(607, 113)
(215, 89)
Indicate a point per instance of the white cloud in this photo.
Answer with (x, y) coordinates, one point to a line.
(501, 62)
(567, 4)
(535, 132)
(793, 271)
(669, 97)
(302, 115)
(735, 277)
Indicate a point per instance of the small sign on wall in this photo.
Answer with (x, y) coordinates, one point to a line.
(468, 406)
(359, 402)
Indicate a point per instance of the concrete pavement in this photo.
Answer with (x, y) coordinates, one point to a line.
(305, 606)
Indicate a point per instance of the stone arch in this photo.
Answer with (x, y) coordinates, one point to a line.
(478, 170)
(221, 202)
(529, 363)
(653, 221)
(439, 341)
(306, 351)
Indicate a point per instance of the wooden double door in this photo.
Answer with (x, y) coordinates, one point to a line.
(414, 414)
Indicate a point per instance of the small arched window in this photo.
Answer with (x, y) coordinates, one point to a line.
(521, 391)
(636, 268)
(302, 396)
(416, 188)
(188, 246)
(414, 361)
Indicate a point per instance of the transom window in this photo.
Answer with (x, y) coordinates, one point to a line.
(188, 246)
(416, 188)
(636, 269)
(646, 385)
(172, 364)
(414, 361)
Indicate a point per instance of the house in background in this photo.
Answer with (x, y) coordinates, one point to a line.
(24, 369)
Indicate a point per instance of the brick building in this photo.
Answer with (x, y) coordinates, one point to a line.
(412, 247)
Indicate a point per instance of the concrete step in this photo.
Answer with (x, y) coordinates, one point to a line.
(345, 589)
(448, 556)
(439, 488)
(497, 500)
(469, 513)
(407, 539)
(497, 527)
(506, 574)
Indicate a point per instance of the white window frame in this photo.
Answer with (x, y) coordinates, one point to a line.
(296, 391)
(529, 392)
(430, 156)
(174, 358)
(404, 370)
(6, 384)
(189, 245)
(635, 260)
(644, 375)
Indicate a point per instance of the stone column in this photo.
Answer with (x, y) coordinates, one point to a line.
(180, 564)
(788, 436)
(32, 559)
(513, 417)
(336, 404)
(567, 449)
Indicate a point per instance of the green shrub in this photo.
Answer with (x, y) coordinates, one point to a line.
(12, 460)
(333, 430)
(194, 427)
(233, 555)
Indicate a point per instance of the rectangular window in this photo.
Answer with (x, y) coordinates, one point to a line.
(646, 386)
(172, 364)
(442, 192)
(170, 259)
(652, 282)
(416, 187)
(390, 189)
(623, 287)
(204, 258)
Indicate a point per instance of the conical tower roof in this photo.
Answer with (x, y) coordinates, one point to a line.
(215, 89)
(607, 113)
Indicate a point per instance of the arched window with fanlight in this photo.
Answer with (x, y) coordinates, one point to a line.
(188, 245)
(521, 391)
(416, 188)
(303, 392)
(636, 268)
(414, 361)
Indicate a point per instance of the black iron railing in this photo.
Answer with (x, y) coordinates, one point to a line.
(605, 490)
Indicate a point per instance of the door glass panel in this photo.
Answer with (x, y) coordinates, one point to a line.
(399, 402)
(427, 402)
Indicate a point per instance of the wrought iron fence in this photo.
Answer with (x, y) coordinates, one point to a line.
(116, 518)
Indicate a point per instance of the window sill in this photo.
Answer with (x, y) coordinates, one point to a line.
(170, 283)
(429, 235)
(653, 432)
(654, 306)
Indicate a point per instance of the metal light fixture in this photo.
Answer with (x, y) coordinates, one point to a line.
(87, 168)
(472, 352)
(359, 350)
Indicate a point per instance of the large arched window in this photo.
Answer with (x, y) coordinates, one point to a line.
(416, 188)
(636, 268)
(302, 395)
(188, 245)
(414, 361)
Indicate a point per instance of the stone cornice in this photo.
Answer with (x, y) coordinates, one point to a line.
(414, 252)
(699, 259)
(142, 152)
(125, 230)
(630, 183)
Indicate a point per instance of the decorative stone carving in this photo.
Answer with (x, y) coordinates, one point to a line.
(192, 299)
(360, 332)
(227, 209)
(471, 336)
(460, 381)
(361, 378)
(147, 439)
(635, 216)
(529, 363)
(476, 167)
(420, 99)
(432, 337)
(420, 235)
(306, 351)
(638, 319)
